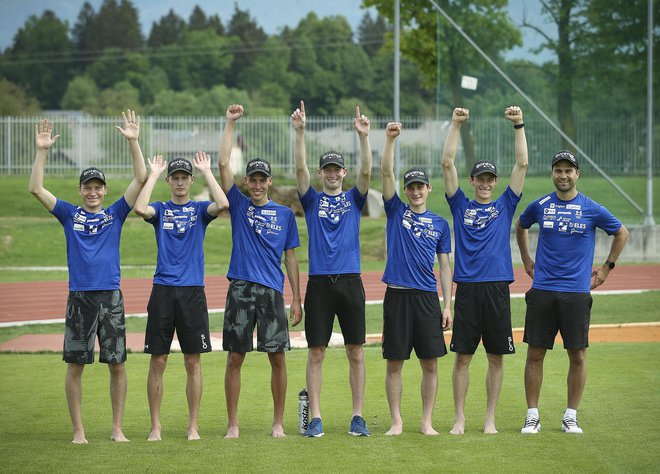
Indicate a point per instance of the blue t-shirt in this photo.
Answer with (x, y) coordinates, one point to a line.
(260, 235)
(180, 231)
(333, 224)
(482, 237)
(92, 244)
(565, 250)
(413, 240)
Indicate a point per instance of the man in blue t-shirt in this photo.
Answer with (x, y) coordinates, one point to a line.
(262, 231)
(483, 269)
(178, 300)
(334, 285)
(412, 318)
(95, 305)
(560, 297)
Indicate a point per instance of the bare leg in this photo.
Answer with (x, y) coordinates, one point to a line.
(233, 390)
(314, 375)
(494, 377)
(278, 388)
(118, 386)
(429, 391)
(534, 375)
(357, 375)
(193, 364)
(460, 382)
(73, 389)
(394, 389)
(155, 388)
(577, 376)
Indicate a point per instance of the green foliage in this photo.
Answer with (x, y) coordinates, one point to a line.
(15, 101)
(81, 94)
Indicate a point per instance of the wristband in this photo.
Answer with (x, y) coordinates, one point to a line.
(610, 264)
(519, 125)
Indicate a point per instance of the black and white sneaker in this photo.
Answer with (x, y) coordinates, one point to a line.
(570, 425)
(532, 425)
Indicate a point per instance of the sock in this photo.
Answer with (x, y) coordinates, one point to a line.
(532, 412)
(570, 413)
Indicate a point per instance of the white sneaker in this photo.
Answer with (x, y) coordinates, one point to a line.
(532, 425)
(570, 425)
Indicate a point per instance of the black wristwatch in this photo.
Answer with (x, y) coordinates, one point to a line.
(610, 264)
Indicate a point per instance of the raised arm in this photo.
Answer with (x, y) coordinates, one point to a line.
(517, 181)
(522, 239)
(298, 119)
(220, 203)
(449, 172)
(392, 131)
(293, 274)
(446, 282)
(234, 112)
(362, 127)
(601, 273)
(142, 208)
(131, 132)
(43, 140)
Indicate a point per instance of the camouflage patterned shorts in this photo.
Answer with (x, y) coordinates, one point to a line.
(92, 313)
(249, 304)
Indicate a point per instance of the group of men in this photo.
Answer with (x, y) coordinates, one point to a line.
(412, 315)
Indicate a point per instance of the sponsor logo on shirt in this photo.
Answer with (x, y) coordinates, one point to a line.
(79, 227)
(548, 210)
(333, 208)
(548, 224)
(188, 209)
(545, 200)
(573, 206)
(168, 225)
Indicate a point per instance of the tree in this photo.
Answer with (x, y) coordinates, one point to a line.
(247, 50)
(15, 101)
(115, 26)
(40, 58)
(81, 94)
(83, 30)
(168, 30)
(371, 33)
(424, 32)
(198, 20)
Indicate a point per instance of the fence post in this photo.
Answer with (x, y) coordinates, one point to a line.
(9, 145)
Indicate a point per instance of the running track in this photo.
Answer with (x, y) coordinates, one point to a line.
(47, 300)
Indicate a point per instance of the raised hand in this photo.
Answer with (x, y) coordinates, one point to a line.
(361, 122)
(234, 112)
(131, 130)
(202, 161)
(157, 164)
(298, 117)
(514, 114)
(393, 129)
(42, 135)
(460, 114)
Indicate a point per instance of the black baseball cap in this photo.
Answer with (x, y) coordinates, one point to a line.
(257, 165)
(92, 173)
(565, 155)
(331, 158)
(179, 164)
(481, 167)
(415, 175)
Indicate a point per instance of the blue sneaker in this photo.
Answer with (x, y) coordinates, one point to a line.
(359, 427)
(315, 429)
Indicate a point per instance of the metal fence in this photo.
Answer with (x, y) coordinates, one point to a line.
(618, 148)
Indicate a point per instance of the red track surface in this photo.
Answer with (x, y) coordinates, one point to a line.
(47, 300)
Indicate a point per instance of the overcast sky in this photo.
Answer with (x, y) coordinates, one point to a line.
(271, 15)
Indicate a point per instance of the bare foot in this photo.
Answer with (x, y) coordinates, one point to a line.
(395, 430)
(232, 432)
(458, 429)
(119, 437)
(278, 431)
(79, 440)
(489, 428)
(154, 435)
(429, 431)
(193, 435)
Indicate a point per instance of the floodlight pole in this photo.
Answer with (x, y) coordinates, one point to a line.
(397, 100)
(648, 220)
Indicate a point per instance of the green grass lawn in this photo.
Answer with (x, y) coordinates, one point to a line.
(619, 414)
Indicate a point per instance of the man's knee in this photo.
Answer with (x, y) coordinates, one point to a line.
(355, 353)
(193, 363)
(158, 363)
(316, 355)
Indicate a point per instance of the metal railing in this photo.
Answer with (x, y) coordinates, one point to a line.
(618, 148)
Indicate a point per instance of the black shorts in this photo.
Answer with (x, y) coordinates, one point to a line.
(412, 319)
(177, 307)
(249, 305)
(552, 311)
(482, 311)
(328, 295)
(92, 313)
